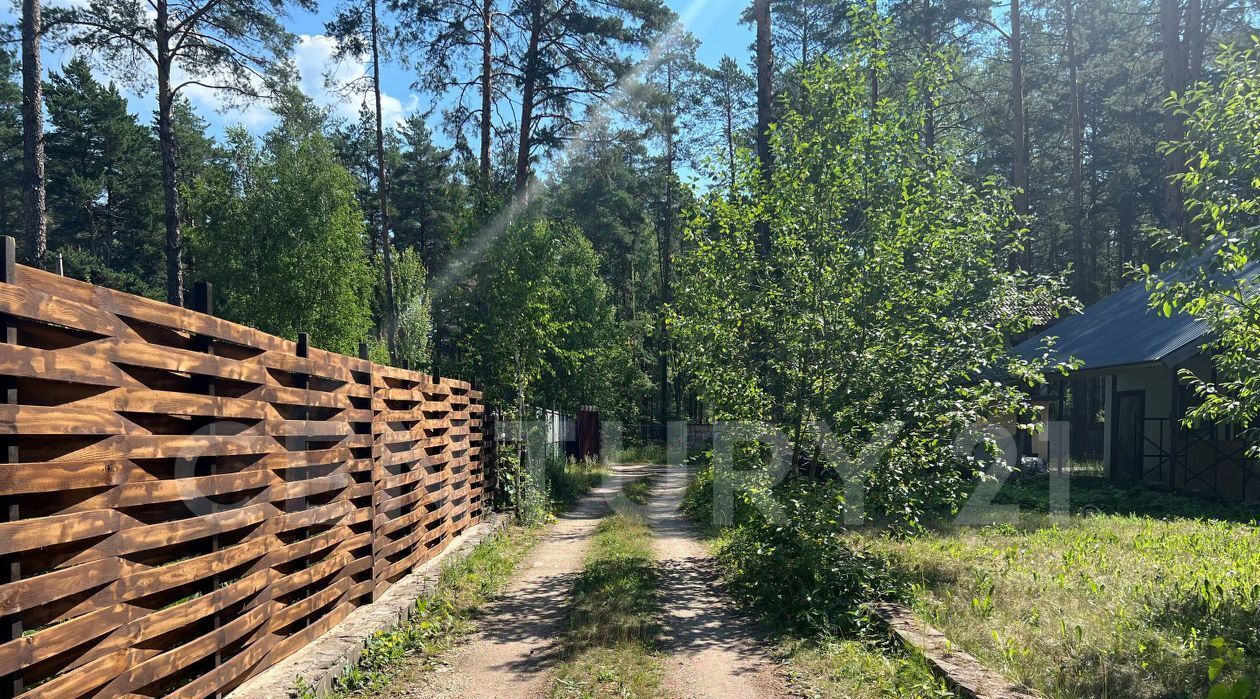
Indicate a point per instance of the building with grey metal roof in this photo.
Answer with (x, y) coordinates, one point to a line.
(1139, 353)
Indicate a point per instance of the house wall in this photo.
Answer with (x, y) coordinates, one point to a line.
(1158, 383)
(1209, 461)
(1109, 391)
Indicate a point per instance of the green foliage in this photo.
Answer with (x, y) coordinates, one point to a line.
(1219, 281)
(523, 489)
(103, 191)
(1103, 605)
(1223, 671)
(638, 490)
(537, 493)
(310, 273)
(867, 284)
(414, 324)
(645, 452)
(871, 667)
(1105, 496)
(800, 572)
(570, 480)
(543, 330)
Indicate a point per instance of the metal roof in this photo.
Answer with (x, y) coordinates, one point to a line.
(1123, 330)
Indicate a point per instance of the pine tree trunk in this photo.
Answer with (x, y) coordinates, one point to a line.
(1194, 41)
(35, 220)
(765, 86)
(529, 87)
(487, 87)
(1019, 154)
(1080, 275)
(730, 136)
(1080, 387)
(929, 99)
(1193, 48)
(170, 173)
(382, 186)
(765, 101)
(1174, 59)
(666, 245)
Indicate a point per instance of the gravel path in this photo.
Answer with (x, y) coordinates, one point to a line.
(712, 650)
(520, 633)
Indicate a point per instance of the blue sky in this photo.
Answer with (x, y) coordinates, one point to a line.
(714, 22)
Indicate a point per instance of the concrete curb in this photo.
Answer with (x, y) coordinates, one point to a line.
(319, 664)
(960, 669)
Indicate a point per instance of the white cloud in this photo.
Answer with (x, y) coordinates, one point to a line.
(340, 83)
(313, 56)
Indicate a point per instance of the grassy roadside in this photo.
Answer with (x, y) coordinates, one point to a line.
(464, 587)
(1140, 594)
(443, 618)
(1125, 599)
(638, 490)
(612, 632)
(569, 480)
(857, 662)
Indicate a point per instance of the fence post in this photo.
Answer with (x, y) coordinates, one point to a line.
(489, 459)
(203, 302)
(364, 353)
(11, 570)
(304, 383)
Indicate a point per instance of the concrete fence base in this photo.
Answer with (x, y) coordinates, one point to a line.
(318, 665)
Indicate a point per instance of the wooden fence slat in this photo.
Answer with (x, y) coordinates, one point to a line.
(185, 501)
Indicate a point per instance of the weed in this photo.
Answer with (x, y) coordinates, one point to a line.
(441, 619)
(569, 479)
(641, 453)
(1104, 496)
(1103, 606)
(536, 495)
(611, 637)
(639, 490)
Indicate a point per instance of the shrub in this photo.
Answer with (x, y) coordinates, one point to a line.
(799, 571)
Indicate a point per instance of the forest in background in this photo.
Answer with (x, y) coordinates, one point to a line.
(531, 245)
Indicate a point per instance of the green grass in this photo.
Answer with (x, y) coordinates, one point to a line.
(570, 480)
(1123, 599)
(441, 619)
(1121, 606)
(642, 453)
(796, 584)
(610, 641)
(857, 669)
(639, 490)
(1088, 494)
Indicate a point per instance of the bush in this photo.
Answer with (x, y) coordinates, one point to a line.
(537, 494)
(570, 479)
(798, 571)
(523, 490)
(635, 452)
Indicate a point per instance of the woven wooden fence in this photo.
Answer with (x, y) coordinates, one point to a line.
(185, 501)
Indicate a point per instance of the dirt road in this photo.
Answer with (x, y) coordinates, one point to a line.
(709, 650)
(518, 640)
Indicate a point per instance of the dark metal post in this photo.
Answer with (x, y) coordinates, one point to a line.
(203, 302)
(11, 570)
(304, 383)
(365, 354)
